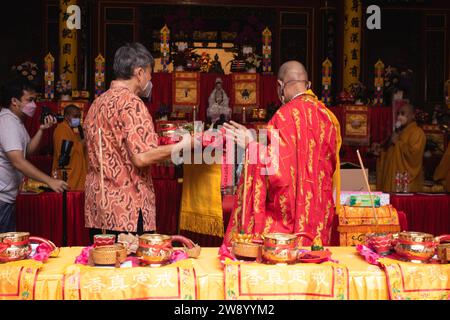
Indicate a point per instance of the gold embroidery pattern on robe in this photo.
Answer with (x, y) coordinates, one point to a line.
(327, 216)
(296, 115)
(294, 184)
(308, 205)
(322, 132)
(268, 225)
(319, 229)
(321, 176)
(312, 144)
(283, 209)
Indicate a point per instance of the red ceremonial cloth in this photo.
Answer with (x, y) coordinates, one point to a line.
(41, 215)
(425, 213)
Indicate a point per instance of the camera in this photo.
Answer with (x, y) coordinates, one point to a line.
(46, 111)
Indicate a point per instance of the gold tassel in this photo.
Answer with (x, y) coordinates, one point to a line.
(201, 224)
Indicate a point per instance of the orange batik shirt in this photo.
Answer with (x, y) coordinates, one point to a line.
(299, 196)
(127, 129)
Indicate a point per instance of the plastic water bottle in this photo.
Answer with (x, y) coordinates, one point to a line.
(398, 182)
(405, 181)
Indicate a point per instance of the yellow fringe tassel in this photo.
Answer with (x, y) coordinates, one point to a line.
(200, 223)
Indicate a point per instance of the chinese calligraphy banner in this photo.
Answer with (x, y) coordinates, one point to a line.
(326, 281)
(18, 278)
(352, 41)
(68, 45)
(176, 281)
(411, 281)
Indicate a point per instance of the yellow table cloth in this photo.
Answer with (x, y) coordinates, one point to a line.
(205, 280)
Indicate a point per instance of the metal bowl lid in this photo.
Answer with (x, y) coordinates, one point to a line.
(154, 237)
(415, 236)
(280, 236)
(13, 235)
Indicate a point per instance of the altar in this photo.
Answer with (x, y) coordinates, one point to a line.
(350, 277)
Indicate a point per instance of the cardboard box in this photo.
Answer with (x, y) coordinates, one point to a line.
(353, 180)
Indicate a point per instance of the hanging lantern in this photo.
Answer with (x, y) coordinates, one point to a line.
(326, 81)
(49, 76)
(379, 83)
(99, 75)
(267, 51)
(165, 48)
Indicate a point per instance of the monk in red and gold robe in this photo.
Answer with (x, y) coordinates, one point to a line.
(297, 196)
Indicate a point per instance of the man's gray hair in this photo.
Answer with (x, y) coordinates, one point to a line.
(130, 57)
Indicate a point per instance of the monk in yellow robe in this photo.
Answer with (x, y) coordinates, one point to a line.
(289, 190)
(403, 152)
(77, 167)
(442, 172)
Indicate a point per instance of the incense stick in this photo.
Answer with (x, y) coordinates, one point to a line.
(102, 185)
(368, 186)
(245, 190)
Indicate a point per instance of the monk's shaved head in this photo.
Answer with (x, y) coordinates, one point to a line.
(406, 114)
(72, 110)
(292, 70)
(292, 80)
(408, 108)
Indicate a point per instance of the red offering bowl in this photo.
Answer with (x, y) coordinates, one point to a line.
(314, 256)
(380, 242)
(104, 240)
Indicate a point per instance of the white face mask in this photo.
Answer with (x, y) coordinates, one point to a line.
(147, 90)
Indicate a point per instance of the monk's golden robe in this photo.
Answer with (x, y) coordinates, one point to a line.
(405, 156)
(298, 197)
(442, 171)
(77, 168)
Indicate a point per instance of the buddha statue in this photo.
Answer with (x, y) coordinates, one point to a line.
(216, 66)
(218, 103)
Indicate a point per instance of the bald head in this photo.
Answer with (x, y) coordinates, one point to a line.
(406, 114)
(292, 80)
(292, 70)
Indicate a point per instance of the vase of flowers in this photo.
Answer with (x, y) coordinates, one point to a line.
(397, 80)
(27, 69)
(64, 88)
(252, 62)
(359, 92)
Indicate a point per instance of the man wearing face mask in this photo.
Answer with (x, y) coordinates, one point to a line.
(15, 145)
(129, 146)
(403, 152)
(291, 189)
(77, 167)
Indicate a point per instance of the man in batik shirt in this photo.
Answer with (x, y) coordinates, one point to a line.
(129, 146)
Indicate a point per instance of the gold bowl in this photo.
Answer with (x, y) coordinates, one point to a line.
(417, 246)
(155, 248)
(16, 246)
(282, 247)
